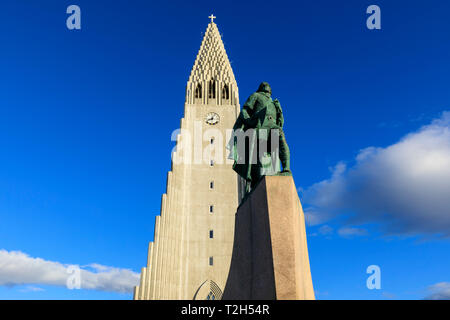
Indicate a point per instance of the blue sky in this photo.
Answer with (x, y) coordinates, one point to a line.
(86, 118)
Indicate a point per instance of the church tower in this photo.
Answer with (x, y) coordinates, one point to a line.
(193, 239)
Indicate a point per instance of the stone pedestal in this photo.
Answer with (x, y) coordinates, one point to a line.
(270, 254)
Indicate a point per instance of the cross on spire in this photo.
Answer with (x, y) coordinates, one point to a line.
(212, 17)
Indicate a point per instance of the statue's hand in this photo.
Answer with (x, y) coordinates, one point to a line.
(276, 102)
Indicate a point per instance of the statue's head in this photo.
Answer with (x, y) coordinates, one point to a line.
(265, 87)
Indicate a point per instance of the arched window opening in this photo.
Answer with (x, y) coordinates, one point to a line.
(225, 92)
(212, 89)
(209, 290)
(198, 91)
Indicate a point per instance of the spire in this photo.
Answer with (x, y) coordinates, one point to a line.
(212, 72)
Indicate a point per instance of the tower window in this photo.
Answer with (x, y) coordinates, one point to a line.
(198, 91)
(212, 89)
(212, 140)
(211, 209)
(212, 163)
(211, 261)
(211, 234)
(225, 92)
(211, 185)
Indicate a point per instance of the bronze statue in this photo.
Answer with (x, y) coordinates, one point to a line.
(258, 141)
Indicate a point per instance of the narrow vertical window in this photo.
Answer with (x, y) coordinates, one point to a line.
(212, 163)
(212, 140)
(211, 234)
(211, 185)
(212, 89)
(225, 92)
(211, 261)
(211, 209)
(198, 91)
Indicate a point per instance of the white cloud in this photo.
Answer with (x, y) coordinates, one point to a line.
(31, 289)
(351, 232)
(18, 268)
(388, 295)
(405, 186)
(439, 291)
(325, 230)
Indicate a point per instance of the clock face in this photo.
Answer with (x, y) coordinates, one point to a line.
(212, 118)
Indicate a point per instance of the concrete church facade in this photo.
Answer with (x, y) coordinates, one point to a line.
(193, 239)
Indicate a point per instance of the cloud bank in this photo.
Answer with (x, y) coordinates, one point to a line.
(439, 291)
(405, 186)
(18, 268)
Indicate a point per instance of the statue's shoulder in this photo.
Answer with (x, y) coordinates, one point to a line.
(258, 99)
(255, 95)
(261, 96)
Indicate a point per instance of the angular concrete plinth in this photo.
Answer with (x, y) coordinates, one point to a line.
(270, 254)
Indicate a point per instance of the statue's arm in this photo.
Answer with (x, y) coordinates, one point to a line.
(245, 116)
(280, 118)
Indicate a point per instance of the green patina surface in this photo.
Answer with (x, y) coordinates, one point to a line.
(264, 115)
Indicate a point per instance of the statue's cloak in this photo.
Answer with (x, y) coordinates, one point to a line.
(258, 112)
